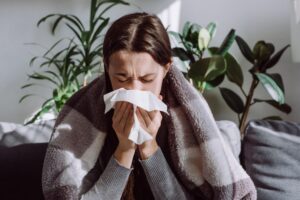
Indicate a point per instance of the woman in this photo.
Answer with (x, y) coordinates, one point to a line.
(90, 155)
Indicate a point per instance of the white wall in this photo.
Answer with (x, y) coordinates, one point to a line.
(253, 20)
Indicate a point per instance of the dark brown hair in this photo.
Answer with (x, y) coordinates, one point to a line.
(136, 32)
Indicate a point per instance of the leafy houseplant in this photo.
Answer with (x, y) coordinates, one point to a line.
(207, 73)
(189, 51)
(263, 58)
(68, 68)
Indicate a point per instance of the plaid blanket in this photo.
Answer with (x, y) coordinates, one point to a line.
(203, 162)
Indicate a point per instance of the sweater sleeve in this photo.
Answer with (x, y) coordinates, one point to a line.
(111, 183)
(162, 181)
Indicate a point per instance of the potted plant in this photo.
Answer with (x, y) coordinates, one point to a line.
(205, 73)
(189, 49)
(263, 58)
(70, 62)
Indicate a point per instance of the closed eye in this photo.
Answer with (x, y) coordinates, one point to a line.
(143, 80)
(122, 81)
(147, 81)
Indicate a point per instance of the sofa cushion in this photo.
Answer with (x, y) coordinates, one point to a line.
(231, 135)
(12, 134)
(271, 156)
(21, 171)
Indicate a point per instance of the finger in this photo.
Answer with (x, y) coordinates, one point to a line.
(158, 117)
(153, 114)
(120, 111)
(125, 115)
(145, 116)
(129, 123)
(140, 117)
(117, 105)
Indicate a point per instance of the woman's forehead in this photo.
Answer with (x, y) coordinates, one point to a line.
(127, 61)
(124, 56)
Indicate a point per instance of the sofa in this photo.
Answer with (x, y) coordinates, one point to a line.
(271, 156)
(22, 151)
(270, 153)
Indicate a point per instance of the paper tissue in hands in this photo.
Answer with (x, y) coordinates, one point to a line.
(144, 99)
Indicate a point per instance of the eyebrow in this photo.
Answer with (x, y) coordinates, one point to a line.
(125, 74)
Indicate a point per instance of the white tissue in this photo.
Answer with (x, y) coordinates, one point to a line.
(144, 99)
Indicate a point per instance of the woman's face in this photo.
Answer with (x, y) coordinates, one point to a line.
(136, 71)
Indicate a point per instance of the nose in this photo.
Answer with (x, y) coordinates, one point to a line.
(135, 85)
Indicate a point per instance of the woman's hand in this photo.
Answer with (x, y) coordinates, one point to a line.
(122, 124)
(150, 121)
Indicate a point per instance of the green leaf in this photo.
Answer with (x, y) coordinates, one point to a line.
(44, 19)
(77, 34)
(272, 88)
(233, 100)
(203, 39)
(277, 78)
(180, 53)
(176, 36)
(54, 74)
(256, 49)
(48, 102)
(214, 83)
(212, 28)
(52, 47)
(234, 72)
(198, 69)
(98, 3)
(56, 23)
(282, 107)
(114, 3)
(39, 76)
(271, 48)
(273, 61)
(95, 4)
(262, 50)
(213, 50)
(194, 33)
(176, 40)
(76, 21)
(28, 85)
(186, 29)
(42, 111)
(33, 60)
(54, 58)
(245, 49)
(195, 28)
(227, 43)
(25, 96)
(207, 69)
(217, 67)
(99, 29)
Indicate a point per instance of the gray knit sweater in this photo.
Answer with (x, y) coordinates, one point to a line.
(160, 177)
